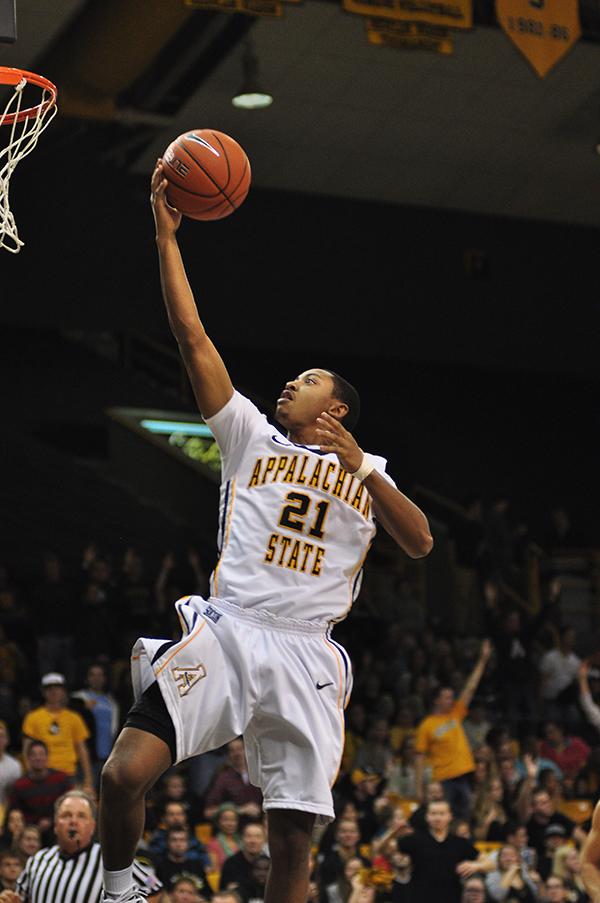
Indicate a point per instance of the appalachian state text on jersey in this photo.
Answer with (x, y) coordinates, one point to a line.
(294, 526)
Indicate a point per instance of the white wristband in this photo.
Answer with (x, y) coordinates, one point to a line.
(365, 469)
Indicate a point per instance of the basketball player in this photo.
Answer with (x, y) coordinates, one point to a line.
(296, 522)
(590, 858)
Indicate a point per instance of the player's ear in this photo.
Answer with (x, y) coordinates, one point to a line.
(338, 409)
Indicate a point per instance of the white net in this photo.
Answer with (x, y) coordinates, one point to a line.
(23, 136)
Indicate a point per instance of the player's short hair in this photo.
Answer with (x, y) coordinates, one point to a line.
(343, 391)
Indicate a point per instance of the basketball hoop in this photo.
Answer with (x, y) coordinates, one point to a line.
(25, 127)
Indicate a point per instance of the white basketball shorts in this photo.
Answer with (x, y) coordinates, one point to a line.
(281, 683)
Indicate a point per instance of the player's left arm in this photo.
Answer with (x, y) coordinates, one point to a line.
(402, 519)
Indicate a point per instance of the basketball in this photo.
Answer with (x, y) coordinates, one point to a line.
(208, 174)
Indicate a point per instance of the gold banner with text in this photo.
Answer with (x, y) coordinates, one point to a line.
(409, 35)
(543, 30)
(450, 14)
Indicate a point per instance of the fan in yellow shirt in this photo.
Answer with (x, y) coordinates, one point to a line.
(442, 741)
(63, 731)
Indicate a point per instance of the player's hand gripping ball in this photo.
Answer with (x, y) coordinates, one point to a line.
(208, 173)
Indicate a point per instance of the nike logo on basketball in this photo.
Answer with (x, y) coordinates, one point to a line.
(203, 143)
(322, 686)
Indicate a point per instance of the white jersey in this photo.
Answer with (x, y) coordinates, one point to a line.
(294, 526)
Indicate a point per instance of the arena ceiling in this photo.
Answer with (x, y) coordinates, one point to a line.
(475, 131)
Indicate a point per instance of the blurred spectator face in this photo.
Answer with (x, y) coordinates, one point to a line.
(175, 787)
(506, 768)
(507, 857)
(553, 733)
(555, 890)
(496, 790)
(96, 678)
(349, 811)
(572, 861)
(228, 821)
(444, 701)
(385, 706)
(418, 661)
(554, 839)
(236, 755)
(253, 839)
(74, 824)
(462, 829)
(473, 891)
(3, 739)
(15, 823)
(55, 695)
(401, 861)
(10, 869)
(482, 770)
(186, 892)
(435, 792)
(438, 816)
(519, 838)
(378, 732)
(549, 780)
(568, 639)
(37, 758)
(30, 841)
(100, 571)
(352, 868)
(175, 816)
(404, 718)
(542, 804)
(261, 869)
(178, 843)
(347, 834)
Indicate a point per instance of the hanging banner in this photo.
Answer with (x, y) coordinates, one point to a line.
(251, 7)
(543, 30)
(409, 35)
(449, 14)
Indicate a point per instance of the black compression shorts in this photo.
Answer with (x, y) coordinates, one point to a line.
(150, 714)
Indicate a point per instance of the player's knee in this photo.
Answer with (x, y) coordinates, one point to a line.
(122, 778)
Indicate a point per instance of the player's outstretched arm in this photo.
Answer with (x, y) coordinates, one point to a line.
(590, 857)
(405, 523)
(206, 370)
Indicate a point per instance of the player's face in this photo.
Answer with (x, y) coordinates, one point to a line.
(304, 398)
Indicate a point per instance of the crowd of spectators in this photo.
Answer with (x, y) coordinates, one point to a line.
(471, 758)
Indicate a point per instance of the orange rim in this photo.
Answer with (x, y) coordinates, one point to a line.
(10, 76)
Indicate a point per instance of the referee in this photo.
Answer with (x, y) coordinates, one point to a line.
(71, 871)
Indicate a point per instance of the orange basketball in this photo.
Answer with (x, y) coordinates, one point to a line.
(208, 173)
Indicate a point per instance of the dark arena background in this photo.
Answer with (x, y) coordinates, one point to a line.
(424, 218)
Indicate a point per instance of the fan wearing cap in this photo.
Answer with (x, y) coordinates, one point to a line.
(62, 730)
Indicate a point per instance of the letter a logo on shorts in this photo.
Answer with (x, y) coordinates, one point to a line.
(186, 678)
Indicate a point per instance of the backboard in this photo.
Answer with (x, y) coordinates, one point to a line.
(8, 21)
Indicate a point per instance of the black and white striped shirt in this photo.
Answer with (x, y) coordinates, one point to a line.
(52, 877)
